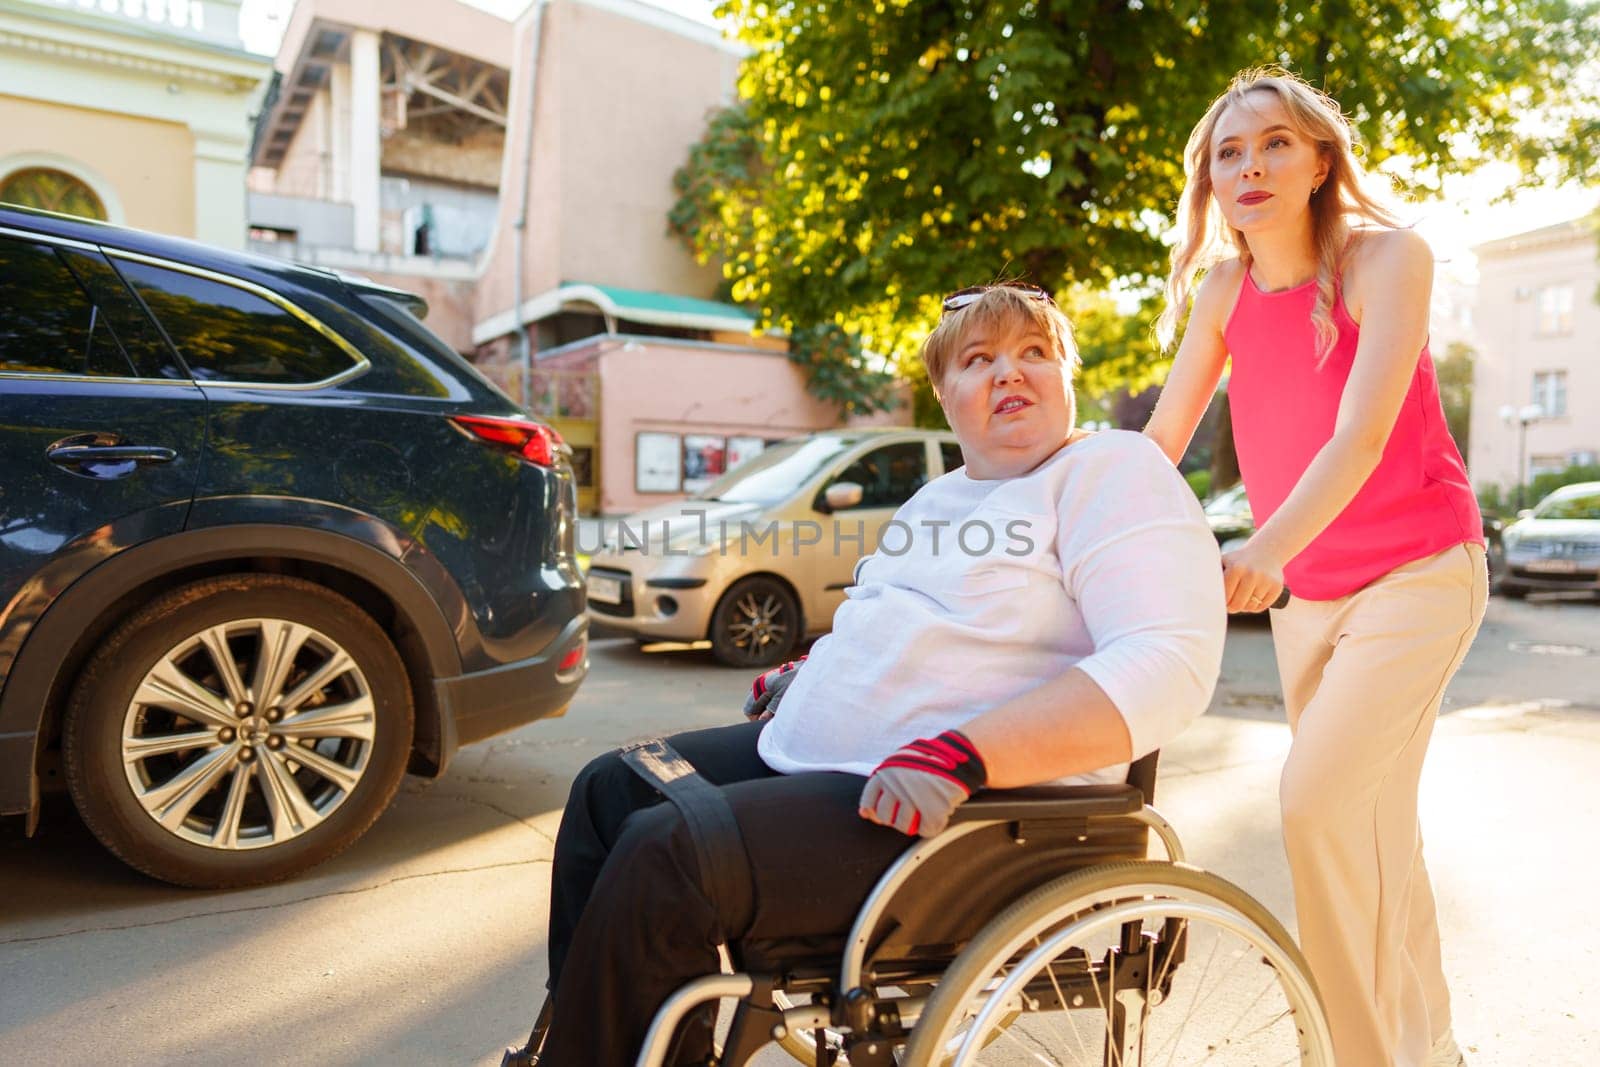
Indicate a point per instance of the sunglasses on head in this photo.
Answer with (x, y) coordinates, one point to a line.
(972, 293)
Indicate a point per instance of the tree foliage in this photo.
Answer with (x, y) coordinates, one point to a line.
(886, 151)
(1454, 371)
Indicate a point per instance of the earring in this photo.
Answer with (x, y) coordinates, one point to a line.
(1315, 187)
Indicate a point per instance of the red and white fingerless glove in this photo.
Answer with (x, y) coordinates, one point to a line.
(768, 689)
(918, 786)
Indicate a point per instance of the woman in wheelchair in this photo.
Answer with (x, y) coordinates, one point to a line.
(1046, 614)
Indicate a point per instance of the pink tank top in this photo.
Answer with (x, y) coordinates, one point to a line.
(1418, 501)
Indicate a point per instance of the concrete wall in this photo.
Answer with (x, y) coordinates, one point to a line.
(1512, 349)
(650, 92)
(620, 98)
(316, 223)
(476, 161)
(107, 92)
(461, 28)
(142, 169)
(684, 388)
(308, 164)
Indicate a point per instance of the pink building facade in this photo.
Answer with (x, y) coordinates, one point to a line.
(518, 175)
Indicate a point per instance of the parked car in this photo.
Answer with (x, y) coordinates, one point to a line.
(1555, 546)
(266, 543)
(1232, 523)
(761, 558)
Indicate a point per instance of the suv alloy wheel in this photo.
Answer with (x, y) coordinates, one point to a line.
(237, 729)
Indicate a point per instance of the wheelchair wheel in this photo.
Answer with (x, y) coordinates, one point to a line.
(1124, 964)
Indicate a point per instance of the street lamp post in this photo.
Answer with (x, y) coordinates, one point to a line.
(1521, 416)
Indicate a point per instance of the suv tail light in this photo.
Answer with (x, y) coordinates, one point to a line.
(532, 441)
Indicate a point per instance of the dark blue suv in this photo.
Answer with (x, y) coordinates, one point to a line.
(266, 543)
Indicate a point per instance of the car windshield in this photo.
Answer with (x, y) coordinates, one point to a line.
(1576, 506)
(1228, 503)
(777, 472)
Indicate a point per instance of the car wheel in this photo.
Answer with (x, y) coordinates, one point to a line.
(238, 730)
(756, 623)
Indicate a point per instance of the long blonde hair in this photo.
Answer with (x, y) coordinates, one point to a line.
(1342, 196)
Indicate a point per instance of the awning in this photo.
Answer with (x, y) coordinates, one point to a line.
(615, 302)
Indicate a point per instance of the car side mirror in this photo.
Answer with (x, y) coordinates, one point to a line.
(1525, 513)
(841, 496)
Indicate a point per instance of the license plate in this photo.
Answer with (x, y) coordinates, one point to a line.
(1552, 566)
(605, 590)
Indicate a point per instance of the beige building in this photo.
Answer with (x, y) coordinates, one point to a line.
(518, 175)
(1538, 329)
(133, 111)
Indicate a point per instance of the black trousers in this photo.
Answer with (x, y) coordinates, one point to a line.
(630, 920)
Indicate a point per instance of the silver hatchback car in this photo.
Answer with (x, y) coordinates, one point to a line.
(761, 558)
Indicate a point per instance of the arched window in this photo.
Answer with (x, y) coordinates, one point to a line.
(51, 190)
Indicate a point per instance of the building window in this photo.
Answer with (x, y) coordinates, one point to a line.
(1550, 392)
(272, 235)
(1551, 464)
(51, 190)
(1555, 310)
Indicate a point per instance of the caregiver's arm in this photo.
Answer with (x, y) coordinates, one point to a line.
(1197, 368)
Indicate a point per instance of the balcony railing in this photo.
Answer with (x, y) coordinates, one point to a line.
(212, 21)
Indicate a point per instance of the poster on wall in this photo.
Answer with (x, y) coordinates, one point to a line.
(705, 458)
(743, 448)
(657, 462)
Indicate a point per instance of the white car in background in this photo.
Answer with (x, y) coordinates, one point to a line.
(759, 560)
(1555, 547)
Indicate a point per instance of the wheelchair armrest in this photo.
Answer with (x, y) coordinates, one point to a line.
(1049, 802)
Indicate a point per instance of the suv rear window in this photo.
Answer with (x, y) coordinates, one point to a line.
(225, 333)
(48, 323)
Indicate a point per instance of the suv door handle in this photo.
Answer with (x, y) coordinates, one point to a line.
(78, 455)
(104, 456)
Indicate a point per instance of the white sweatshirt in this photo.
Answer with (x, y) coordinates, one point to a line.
(1100, 559)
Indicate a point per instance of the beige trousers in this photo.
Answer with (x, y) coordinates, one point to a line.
(1363, 677)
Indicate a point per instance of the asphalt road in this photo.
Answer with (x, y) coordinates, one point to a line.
(425, 941)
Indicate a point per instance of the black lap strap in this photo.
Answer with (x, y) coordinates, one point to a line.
(718, 844)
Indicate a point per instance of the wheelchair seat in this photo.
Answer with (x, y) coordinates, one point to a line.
(1034, 905)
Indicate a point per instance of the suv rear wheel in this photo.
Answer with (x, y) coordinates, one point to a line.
(238, 730)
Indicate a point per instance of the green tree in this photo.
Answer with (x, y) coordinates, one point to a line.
(883, 153)
(1454, 371)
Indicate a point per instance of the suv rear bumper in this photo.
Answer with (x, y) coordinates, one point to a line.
(485, 703)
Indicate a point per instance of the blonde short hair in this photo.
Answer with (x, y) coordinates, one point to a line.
(1001, 304)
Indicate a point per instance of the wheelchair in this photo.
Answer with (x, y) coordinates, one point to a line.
(1033, 930)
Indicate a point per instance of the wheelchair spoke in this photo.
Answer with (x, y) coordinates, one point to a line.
(1193, 1003)
(1033, 1054)
(1061, 997)
(1146, 976)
